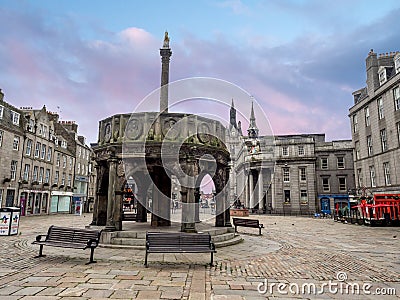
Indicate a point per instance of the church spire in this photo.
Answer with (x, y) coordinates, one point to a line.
(252, 132)
(165, 53)
(232, 123)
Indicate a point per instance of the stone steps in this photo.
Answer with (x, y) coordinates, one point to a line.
(221, 237)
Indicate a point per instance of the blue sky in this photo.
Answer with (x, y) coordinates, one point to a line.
(301, 60)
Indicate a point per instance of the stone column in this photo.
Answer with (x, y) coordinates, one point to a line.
(251, 191)
(188, 197)
(141, 211)
(112, 175)
(246, 190)
(260, 189)
(227, 200)
(197, 205)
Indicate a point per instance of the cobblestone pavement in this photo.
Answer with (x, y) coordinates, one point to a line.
(293, 253)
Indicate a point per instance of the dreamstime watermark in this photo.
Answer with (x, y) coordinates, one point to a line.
(339, 286)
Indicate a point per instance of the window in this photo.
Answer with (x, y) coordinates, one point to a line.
(41, 173)
(57, 174)
(396, 97)
(63, 179)
(372, 176)
(303, 196)
(301, 150)
(303, 176)
(285, 151)
(397, 63)
(28, 149)
(382, 76)
(37, 149)
(355, 122)
(45, 131)
(357, 149)
(16, 143)
(386, 171)
(286, 174)
(64, 161)
(1, 137)
(47, 176)
(35, 173)
(340, 162)
(381, 115)
(398, 132)
(15, 117)
(13, 170)
(58, 159)
(27, 168)
(69, 179)
(325, 184)
(83, 169)
(383, 140)
(324, 163)
(70, 163)
(31, 125)
(342, 184)
(43, 152)
(79, 168)
(49, 154)
(360, 178)
(287, 196)
(1, 111)
(80, 152)
(367, 120)
(369, 145)
(41, 129)
(63, 144)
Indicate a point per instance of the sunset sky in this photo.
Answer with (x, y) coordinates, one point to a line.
(300, 60)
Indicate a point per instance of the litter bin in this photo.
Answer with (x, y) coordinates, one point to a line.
(9, 220)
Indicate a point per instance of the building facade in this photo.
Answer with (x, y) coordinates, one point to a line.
(11, 144)
(283, 174)
(43, 165)
(375, 123)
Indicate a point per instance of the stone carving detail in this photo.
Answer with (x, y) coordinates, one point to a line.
(203, 133)
(170, 129)
(107, 133)
(120, 169)
(134, 129)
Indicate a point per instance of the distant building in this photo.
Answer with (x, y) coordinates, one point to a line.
(44, 165)
(283, 174)
(11, 148)
(375, 123)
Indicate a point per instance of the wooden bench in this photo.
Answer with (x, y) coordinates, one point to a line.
(69, 238)
(247, 223)
(161, 242)
(129, 217)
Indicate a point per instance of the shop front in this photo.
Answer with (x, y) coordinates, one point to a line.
(34, 202)
(60, 202)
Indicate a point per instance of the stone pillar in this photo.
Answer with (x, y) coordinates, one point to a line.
(251, 191)
(246, 190)
(260, 189)
(112, 175)
(197, 205)
(188, 197)
(227, 200)
(188, 216)
(118, 210)
(141, 211)
(165, 54)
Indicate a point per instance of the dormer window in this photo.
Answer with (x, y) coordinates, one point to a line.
(397, 63)
(63, 144)
(15, 117)
(382, 75)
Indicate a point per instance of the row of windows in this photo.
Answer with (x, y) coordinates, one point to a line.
(372, 175)
(300, 150)
(339, 162)
(383, 140)
(380, 107)
(302, 174)
(303, 196)
(326, 184)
